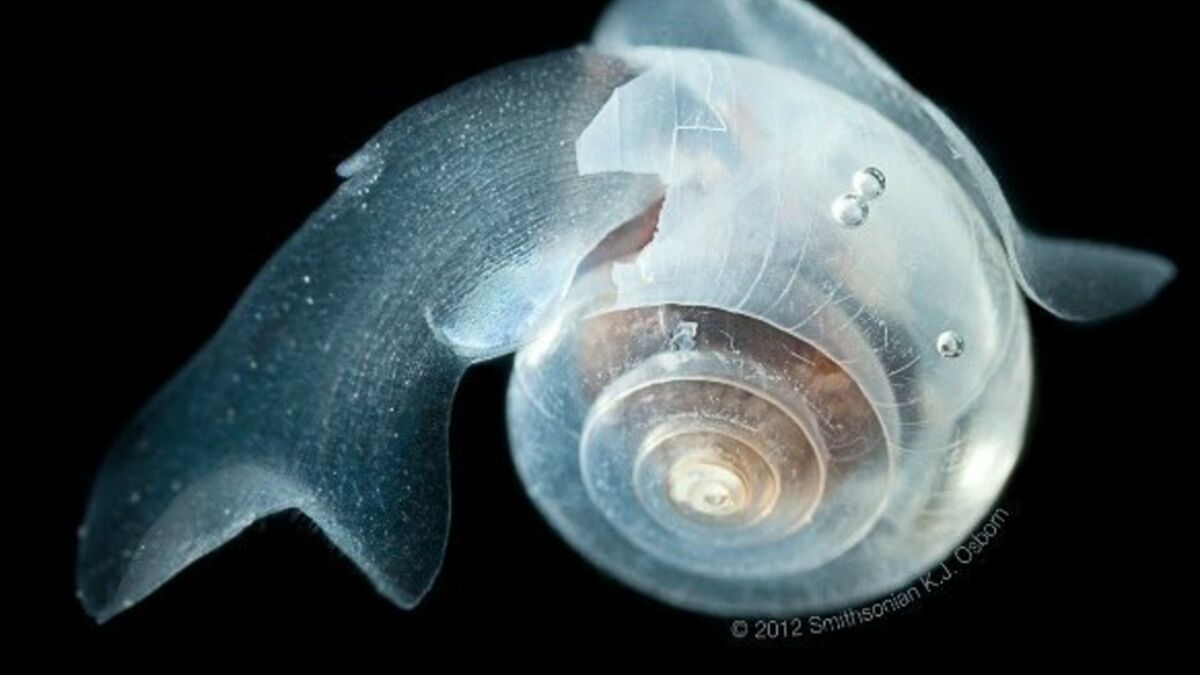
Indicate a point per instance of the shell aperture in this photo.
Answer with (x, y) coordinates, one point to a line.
(753, 386)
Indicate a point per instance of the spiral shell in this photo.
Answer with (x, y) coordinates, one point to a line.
(714, 458)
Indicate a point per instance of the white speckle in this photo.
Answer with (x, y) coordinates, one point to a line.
(306, 279)
(135, 497)
(82, 532)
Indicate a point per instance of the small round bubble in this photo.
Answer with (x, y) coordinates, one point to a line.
(850, 210)
(869, 183)
(950, 344)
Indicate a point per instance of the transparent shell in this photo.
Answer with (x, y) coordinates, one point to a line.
(758, 328)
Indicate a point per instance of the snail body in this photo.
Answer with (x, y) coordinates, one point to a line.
(767, 303)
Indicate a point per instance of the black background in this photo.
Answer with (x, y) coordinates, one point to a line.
(181, 149)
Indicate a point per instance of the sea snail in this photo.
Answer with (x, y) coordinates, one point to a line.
(768, 301)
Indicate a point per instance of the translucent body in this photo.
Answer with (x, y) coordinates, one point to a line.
(328, 388)
(462, 225)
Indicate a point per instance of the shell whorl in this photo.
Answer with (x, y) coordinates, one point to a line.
(721, 463)
(737, 439)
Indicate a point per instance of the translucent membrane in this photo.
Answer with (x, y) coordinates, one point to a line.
(328, 388)
(1075, 280)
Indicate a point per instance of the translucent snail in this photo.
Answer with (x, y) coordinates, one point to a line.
(767, 302)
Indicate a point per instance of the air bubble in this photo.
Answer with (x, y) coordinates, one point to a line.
(869, 183)
(850, 210)
(950, 344)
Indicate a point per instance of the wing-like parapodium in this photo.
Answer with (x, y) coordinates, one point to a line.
(1075, 280)
(328, 388)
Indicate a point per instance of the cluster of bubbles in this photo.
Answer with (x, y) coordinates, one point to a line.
(852, 208)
